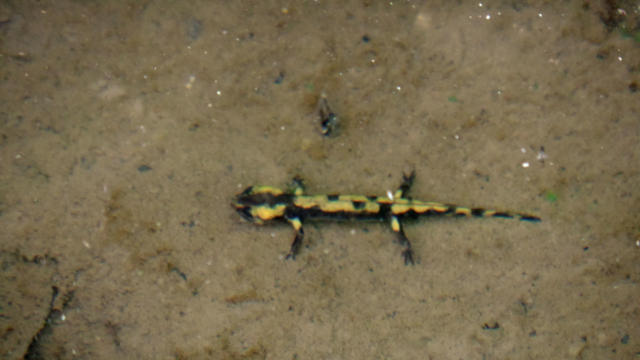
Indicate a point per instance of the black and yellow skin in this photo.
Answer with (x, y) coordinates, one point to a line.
(260, 204)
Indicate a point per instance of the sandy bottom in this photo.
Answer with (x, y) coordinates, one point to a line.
(126, 128)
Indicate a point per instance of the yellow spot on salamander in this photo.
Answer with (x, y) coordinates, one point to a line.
(266, 190)
(268, 213)
(489, 213)
(398, 209)
(371, 207)
(336, 206)
(307, 202)
(438, 206)
(395, 224)
(383, 200)
(463, 211)
(421, 208)
(352, 198)
(398, 194)
(296, 223)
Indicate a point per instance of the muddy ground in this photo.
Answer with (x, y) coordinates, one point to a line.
(126, 128)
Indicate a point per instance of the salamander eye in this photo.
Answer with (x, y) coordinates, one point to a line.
(246, 191)
(245, 212)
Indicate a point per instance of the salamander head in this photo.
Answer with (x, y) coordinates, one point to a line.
(258, 204)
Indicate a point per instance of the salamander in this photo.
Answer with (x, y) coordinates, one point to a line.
(262, 204)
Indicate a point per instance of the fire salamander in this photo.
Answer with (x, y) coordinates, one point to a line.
(259, 204)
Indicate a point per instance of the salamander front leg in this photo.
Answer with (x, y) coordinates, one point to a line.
(407, 253)
(297, 186)
(297, 242)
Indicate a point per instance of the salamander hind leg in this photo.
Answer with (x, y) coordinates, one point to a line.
(407, 181)
(407, 253)
(297, 242)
